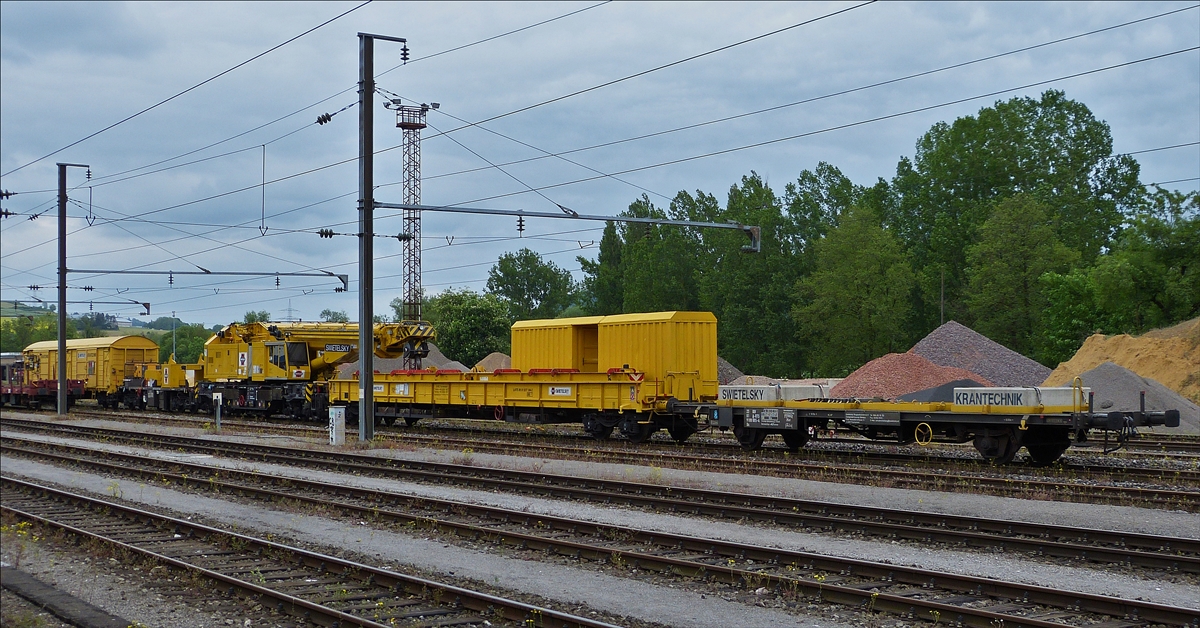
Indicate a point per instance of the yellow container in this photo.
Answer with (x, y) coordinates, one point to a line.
(677, 351)
(103, 363)
(556, 343)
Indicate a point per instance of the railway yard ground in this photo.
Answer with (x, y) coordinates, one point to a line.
(585, 535)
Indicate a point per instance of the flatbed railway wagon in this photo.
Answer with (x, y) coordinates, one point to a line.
(636, 373)
(641, 373)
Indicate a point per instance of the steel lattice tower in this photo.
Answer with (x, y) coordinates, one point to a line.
(411, 120)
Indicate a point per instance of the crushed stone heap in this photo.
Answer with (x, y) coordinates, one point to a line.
(897, 374)
(494, 360)
(726, 372)
(958, 346)
(1118, 388)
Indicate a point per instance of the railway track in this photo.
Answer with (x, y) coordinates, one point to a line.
(865, 585)
(1174, 450)
(1154, 552)
(1089, 488)
(324, 589)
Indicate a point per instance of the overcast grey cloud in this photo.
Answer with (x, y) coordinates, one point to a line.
(70, 69)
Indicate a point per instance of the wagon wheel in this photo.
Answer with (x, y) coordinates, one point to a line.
(999, 446)
(795, 439)
(637, 432)
(596, 428)
(681, 430)
(1045, 445)
(750, 438)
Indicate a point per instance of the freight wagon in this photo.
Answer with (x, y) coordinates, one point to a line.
(641, 373)
(638, 373)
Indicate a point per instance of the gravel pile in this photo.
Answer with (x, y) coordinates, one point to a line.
(896, 374)
(1118, 388)
(494, 360)
(755, 380)
(387, 365)
(726, 372)
(959, 346)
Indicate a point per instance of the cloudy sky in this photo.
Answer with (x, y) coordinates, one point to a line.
(164, 193)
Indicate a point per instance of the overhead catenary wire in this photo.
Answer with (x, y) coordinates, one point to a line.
(348, 89)
(196, 86)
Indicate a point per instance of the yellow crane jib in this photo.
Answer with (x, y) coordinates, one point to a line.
(263, 352)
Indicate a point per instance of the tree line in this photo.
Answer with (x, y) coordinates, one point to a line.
(1019, 221)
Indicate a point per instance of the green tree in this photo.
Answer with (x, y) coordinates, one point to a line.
(659, 262)
(164, 322)
(602, 290)
(94, 324)
(469, 325)
(188, 343)
(1005, 295)
(1051, 148)
(752, 294)
(853, 307)
(261, 316)
(22, 331)
(531, 286)
(332, 316)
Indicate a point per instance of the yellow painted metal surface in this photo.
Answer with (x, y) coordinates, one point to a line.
(557, 343)
(103, 363)
(589, 391)
(676, 350)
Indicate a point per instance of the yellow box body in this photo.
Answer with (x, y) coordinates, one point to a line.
(676, 350)
(174, 375)
(556, 343)
(587, 391)
(103, 363)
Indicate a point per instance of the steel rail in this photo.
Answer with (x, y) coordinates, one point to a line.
(1175, 554)
(1167, 498)
(1173, 477)
(388, 581)
(723, 561)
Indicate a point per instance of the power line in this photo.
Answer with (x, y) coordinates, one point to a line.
(843, 126)
(349, 89)
(197, 85)
(815, 98)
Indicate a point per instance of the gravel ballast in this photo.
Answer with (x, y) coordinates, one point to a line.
(956, 345)
(897, 374)
(1010, 567)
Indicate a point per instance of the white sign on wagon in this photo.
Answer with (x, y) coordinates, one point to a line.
(560, 391)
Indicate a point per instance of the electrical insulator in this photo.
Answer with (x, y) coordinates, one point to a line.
(647, 231)
(89, 174)
(404, 53)
(35, 288)
(87, 288)
(324, 118)
(339, 289)
(277, 282)
(520, 224)
(325, 233)
(6, 194)
(171, 279)
(404, 237)
(91, 307)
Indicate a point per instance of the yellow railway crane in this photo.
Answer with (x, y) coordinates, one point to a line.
(283, 368)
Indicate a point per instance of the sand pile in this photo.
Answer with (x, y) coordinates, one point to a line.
(1118, 388)
(956, 345)
(1170, 356)
(726, 372)
(494, 360)
(897, 374)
